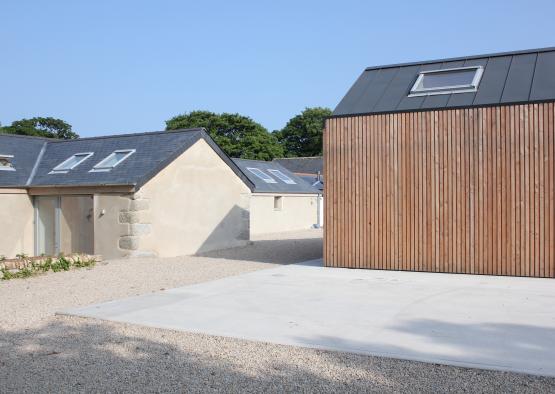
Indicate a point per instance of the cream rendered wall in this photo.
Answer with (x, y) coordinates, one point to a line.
(108, 228)
(196, 204)
(16, 223)
(298, 212)
(76, 222)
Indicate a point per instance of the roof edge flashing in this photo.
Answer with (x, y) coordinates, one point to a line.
(461, 58)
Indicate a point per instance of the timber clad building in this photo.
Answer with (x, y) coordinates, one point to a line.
(445, 166)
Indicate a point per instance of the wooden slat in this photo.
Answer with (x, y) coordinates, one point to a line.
(465, 190)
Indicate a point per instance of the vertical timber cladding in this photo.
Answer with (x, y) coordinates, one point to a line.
(463, 190)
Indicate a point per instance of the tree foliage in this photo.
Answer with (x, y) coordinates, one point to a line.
(41, 127)
(238, 136)
(302, 135)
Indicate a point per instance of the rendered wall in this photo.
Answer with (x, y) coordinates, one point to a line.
(298, 212)
(76, 222)
(16, 223)
(195, 204)
(109, 231)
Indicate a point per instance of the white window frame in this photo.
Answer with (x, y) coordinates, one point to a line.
(7, 168)
(282, 177)
(100, 167)
(257, 171)
(415, 91)
(59, 169)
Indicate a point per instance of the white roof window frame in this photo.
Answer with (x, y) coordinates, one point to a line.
(261, 174)
(61, 168)
(102, 167)
(8, 158)
(281, 176)
(416, 90)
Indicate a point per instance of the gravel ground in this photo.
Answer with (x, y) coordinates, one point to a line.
(41, 352)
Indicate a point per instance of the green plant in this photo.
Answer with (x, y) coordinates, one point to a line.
(56, 265)
(6, 275)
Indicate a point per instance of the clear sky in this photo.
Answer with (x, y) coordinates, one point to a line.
(119, 66)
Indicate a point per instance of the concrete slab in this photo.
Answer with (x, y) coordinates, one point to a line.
(497, 323)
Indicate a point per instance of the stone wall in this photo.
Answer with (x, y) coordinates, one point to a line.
(136, 217)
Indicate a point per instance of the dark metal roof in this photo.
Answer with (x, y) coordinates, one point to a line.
(153, 152)
(301, 186)
(303, 165)
(509, 77)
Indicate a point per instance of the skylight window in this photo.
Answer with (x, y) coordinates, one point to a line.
(447, 81)
(115, 158)
(262, 175)
(6, 163)
(70, 163)
(280, 175)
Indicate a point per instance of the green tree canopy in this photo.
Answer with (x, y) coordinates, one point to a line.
(302, 135)
(238, 136)
(41, 127)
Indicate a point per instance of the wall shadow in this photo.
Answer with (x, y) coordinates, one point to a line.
(279, 251)
(273, 251)
(231, 231)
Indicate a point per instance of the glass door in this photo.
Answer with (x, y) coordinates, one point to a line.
(47, 213)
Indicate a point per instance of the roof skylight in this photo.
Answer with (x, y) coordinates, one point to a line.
(6, 163)
(112, 160)
(70, 163)
(262, 175)
(282, 177)
(447, 81)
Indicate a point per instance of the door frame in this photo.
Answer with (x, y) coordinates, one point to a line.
(57, 223)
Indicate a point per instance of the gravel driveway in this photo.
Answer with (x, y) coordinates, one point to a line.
(40, 351)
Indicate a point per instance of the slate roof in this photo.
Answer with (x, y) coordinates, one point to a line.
(26, 151)
(303, 165)
(509, 77)
(300, 186)
(154, 151)
(313, 181)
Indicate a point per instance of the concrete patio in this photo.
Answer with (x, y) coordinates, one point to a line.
(500, 323)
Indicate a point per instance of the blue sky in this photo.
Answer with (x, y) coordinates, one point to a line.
(110, 67)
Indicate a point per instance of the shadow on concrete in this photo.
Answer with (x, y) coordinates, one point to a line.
(484, 344)
(278, 251)
(68, 357)
(96, 357)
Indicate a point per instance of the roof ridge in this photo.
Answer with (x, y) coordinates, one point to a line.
(35, 137)
(450, 59)
(260, 161)
(297, 158)
(134, 134)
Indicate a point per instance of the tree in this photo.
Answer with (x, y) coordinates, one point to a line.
(237, 135)
(41, 127)
(302, 135)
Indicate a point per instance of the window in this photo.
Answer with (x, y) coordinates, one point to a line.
(114, 159)
(278, 203)
(262, 175)
(283, 177)
(6, 163)
(447, 81)
(71, 163)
